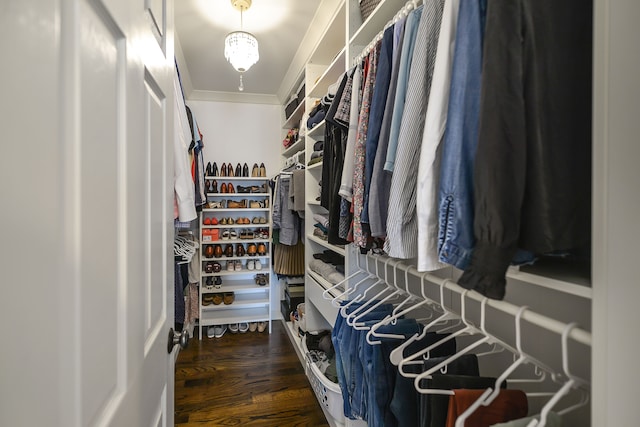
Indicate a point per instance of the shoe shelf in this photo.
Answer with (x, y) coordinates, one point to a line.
(234, 241)
(252, 302)
(237, 210)
(221, 317)
(238, 178)
(236, 194)
(231, 258)
(238, 287)
(247, 300)
(224, 272)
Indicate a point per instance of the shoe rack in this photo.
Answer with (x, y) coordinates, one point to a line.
(235, 236)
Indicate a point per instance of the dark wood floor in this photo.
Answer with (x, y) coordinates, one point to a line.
(251, 379)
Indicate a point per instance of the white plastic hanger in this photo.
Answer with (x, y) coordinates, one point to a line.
(359, 297)
(393, 287)
(573, 382)
(468, 329)
(365, 308)
(442, 365)
(397, 354)
(326, 294)
(396, 314)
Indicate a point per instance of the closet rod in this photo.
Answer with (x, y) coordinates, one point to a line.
(579, 335)
(404, 11)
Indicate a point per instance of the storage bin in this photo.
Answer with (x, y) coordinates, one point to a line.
(366, 7)
(291, 107)
(327, 392)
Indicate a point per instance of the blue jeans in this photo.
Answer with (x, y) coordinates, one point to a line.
(382, 373)
(348, 367)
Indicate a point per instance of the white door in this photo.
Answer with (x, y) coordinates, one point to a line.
(86, 168)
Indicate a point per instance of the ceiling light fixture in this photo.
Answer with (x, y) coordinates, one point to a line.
(240, 47)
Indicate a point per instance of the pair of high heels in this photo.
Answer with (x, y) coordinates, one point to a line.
(258, 171)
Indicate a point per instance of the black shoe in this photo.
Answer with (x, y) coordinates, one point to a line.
(245, 170)
(238, 170)
(214, 169)
(207, 170)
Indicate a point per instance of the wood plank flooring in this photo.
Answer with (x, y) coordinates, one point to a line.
(252, 379)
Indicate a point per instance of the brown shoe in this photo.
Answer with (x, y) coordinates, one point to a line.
(223, 170)
(232, 204)
(239, 249)
(228, 250)
(217, 298)
(223, 187)
(230, 188)
(208, 251)
(229, 297)
(217, 251)
(262, 249)
(252, 249)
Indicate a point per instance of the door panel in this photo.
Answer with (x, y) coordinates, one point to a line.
(101, 197)
(155, 143)
(87, 159)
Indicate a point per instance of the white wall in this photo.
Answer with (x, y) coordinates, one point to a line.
(239, 132)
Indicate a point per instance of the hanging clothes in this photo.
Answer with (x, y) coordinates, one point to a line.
(434, 126)
(376, 113)
(335, 140)
(455, 195)
(381, 179)
(360, 234)
(402, 225)
(184, 200)
(535, 124)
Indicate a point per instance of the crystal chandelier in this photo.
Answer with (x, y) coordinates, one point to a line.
(240, 47)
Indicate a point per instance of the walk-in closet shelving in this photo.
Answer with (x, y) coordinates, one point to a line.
(252, 301)
(547, 289)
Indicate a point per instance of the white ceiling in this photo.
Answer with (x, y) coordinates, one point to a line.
(201, 27)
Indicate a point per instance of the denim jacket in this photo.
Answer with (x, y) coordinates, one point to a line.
(455, 199)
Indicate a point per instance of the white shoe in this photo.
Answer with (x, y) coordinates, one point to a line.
(243, 327)
(219, 330)
(238, 265)
(233, 328)
(211, 331)
(258, 265)
(250, 265)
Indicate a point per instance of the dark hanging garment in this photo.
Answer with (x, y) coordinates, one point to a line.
(532, 177)
(335, 143)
